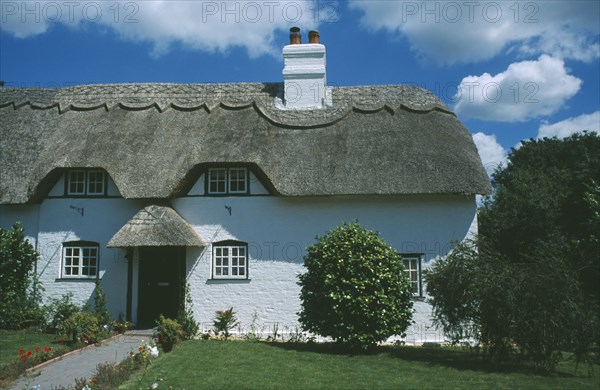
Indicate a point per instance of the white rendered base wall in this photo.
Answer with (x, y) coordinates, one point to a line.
(277, 231)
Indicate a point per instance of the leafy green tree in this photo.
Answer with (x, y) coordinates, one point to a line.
(20, 292)
(354, 289)
(529, 284)
(546, 194)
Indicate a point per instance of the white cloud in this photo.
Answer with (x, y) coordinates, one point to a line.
(203, 25)
(492, 154)
(451, 32)
(525, 90)
(567, 127)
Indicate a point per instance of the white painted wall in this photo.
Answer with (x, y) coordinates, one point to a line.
(277, 231)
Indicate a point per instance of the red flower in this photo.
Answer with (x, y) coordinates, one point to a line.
(23, 357)
(29, 353)
(21, 351)
(62, 340)
(140, 349)
(37, 349)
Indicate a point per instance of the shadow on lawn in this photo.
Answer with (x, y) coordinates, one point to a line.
(452, 357)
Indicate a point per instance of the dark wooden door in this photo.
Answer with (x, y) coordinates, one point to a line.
(161, 272)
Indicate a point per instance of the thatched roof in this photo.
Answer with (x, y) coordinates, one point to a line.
(151, 139)
(156, 226)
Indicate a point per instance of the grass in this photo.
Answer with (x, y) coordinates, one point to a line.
(260, 365)
(11, 341)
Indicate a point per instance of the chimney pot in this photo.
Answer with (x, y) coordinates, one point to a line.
(313, 37)
(295, 36)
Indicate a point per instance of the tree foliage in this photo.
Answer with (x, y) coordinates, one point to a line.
(354, 289)
(528, 285)
(549, 193)
(19, 289)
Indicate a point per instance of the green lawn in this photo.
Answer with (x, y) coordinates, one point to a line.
(256, 365)
(11, 341)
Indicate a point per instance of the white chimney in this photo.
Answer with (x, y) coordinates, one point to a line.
(304, 76)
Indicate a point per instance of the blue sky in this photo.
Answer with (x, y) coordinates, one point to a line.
(511, 70)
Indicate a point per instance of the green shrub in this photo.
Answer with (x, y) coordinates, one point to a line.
(186, 316)
(20, 293)
(354, 289)
(120, 325)
(82, 327)
(532, 309)
(168, 333)
(224, 321)
(59, 310)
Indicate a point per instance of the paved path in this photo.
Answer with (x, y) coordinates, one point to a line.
(82, 364)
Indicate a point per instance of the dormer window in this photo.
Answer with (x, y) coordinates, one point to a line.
(223, 181)
(86, 182)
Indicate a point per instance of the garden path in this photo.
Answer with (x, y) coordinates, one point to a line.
(82, 363)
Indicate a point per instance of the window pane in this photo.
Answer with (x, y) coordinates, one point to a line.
(217, 181)
(229, 261)
(95, 182)
(76, 182)
(411, 267)
(237, 180)
(80, 261)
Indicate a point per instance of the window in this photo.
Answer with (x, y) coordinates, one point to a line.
(230, 260)
(86, 182)
(412, 267)
(227, 181)
(80, 259)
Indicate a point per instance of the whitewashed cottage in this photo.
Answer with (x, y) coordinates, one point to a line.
(225, 185)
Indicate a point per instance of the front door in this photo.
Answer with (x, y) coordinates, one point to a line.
(161, 272)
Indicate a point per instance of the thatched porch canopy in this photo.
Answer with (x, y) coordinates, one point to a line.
(156, 226)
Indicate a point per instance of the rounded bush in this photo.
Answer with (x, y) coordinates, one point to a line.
(82, 326)
(355, 289)
(168, 332)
